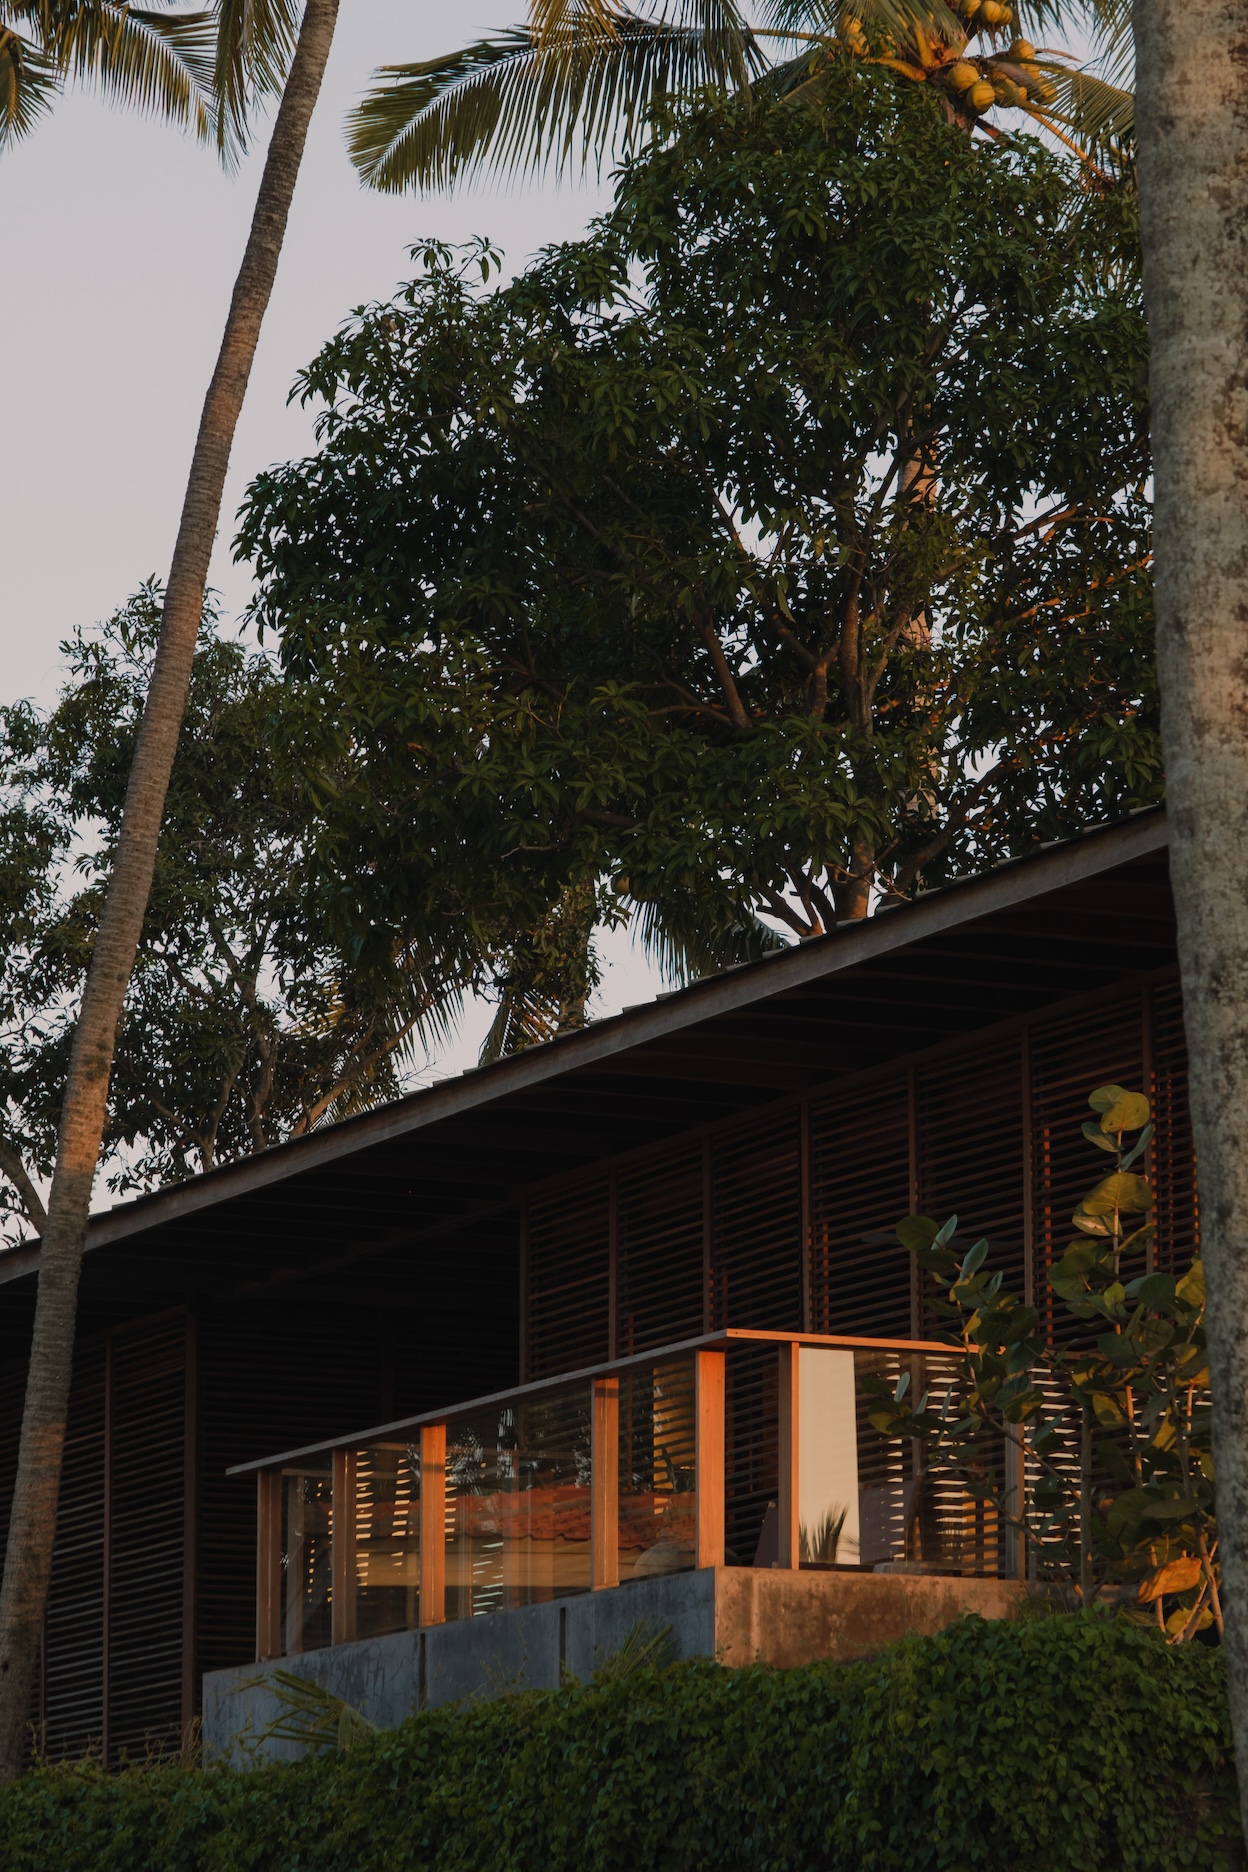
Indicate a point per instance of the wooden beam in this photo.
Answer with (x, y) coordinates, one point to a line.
(268, 1565)
(709, 1457)
(604, 1499)
(787, 1506)
(433, 1524)
(342, 1549)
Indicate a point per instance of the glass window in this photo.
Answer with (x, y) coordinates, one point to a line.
(517, 1503)
(387, 1538)
(307, 1526)
(904, 1514)
(658, 1475)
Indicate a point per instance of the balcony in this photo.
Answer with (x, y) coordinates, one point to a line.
(730, 1486)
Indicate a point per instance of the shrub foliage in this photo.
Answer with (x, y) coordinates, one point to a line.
(1073, 1741)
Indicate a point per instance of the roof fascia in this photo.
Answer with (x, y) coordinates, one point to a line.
(1018, 882)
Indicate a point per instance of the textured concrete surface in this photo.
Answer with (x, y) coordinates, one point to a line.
(784, 1618)
(740, 1615)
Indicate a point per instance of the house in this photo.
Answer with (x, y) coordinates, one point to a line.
(724, 1164)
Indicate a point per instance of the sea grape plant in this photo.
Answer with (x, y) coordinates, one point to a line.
(1104, 1415)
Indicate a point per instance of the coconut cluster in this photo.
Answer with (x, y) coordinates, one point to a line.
(982, 83)
(1012, 77)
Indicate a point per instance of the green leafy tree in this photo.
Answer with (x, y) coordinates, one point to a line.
(1106, 1415)
(243, 1025)
(779, 546)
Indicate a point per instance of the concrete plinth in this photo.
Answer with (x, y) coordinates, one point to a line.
(740, 1615)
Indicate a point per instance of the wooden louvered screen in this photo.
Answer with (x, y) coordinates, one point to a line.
(1069, 1056)
(756, 1225)
(661, 1235)
(310, 1371)
(860, 1276)
(1173, 1152)
(72, 1711)
(971, 1158)
(567, 1279)
(147, 1556)
(751, 1447)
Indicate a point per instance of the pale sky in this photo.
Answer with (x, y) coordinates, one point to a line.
(120, 240)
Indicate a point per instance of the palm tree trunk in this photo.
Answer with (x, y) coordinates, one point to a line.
(32, 1526)
(1192, 120)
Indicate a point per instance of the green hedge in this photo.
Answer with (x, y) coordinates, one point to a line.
(1067, 1742)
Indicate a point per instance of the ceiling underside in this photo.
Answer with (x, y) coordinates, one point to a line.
(406, 1218)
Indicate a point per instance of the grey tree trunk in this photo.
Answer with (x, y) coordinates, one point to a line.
(32, 1526)
(1192, 119)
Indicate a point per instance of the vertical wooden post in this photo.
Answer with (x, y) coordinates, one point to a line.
(708, 1239)
(709, 1457)
(614, 1348)
(268, 1565)
(604, 1484)
(916, 1199)
(1015, 1559)
(787, 1504)
(342, 1549)
(1029, 1174)
(433, 1524)
(805, 1181)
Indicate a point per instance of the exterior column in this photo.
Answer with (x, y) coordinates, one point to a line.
(268, 1565)
(709, 1457)
(787, 1503)
(604, 1484)
(433, 1524)
(342, 1549)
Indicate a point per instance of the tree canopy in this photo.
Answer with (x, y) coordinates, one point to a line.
(779, 546)
(244, 1023)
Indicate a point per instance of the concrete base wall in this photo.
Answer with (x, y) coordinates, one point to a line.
(740, 1615)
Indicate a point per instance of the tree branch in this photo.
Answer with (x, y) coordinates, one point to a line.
(13, 1167)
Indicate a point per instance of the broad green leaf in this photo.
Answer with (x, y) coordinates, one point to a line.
(1127, 1113)
(1191, 1289)
(917, 1231)
(975, 1258)
(1170, 1510)
(1108, 1411)
(1105, 1097)
(1177, 1577)
(1139, 1147)
(1154, 1290)
(1096, 1136)
(1123, 1192)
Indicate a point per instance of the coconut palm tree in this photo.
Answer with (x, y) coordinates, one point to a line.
(580, 77)
(255, 41)
(1193, 177)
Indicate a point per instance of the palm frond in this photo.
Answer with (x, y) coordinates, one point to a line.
(159, 63)
(523, 1020)
(518, 102)
(899, 19)
(687, 948)
(1095, 112)
(255, 43)
(29, 81)
(311, 1715)
(645, 1646)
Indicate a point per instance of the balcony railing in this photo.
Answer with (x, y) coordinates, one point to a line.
(621, 1472)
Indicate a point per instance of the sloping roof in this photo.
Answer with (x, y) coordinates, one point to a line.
(1074, 917)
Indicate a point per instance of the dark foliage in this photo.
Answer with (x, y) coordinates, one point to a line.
(1063, 1744)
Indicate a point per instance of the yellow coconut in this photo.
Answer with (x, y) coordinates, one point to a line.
(963, 75)
(1022, 49)
(991, 12)
(981, 96)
